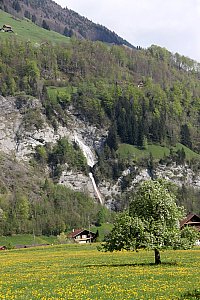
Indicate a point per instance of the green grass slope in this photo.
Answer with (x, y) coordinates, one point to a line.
(26, 239)
(26, 30)
(126, 151)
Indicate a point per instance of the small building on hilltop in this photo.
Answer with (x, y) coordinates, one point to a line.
(7, 28)
(82, 236)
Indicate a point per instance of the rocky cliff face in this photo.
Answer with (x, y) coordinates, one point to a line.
(178, 174)
(20, 138)
(19, 135)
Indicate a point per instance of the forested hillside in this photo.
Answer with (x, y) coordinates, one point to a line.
(147, 95)
(140, 98)
(29, 201)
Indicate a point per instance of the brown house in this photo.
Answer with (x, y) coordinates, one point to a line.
(82, 236)
(191, 220)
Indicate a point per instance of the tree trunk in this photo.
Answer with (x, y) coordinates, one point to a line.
(157, 257)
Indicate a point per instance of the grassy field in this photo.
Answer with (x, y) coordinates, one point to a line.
(61, 93)
(25, 30)
(157, 151)
(26, 239)
(81, 272)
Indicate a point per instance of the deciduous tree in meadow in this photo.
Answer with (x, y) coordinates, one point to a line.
(152, 222)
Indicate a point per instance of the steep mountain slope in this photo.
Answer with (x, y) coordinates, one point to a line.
(87, 117)
(48, 14)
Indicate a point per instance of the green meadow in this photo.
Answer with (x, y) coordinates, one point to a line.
(26, 239)
(82, 272)
(158, 152)
(25, 30)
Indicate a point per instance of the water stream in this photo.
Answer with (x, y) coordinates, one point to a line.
(95, 188)
(86, 151)
(91, 162)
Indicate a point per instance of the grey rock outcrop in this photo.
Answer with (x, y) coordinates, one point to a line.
(20, 141)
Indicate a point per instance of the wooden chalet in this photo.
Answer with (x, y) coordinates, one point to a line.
(191, 220)
(82, 236)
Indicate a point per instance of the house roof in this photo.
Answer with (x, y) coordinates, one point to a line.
(76, 232)
(188, 219)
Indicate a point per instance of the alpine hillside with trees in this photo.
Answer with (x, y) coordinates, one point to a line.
(84, 122)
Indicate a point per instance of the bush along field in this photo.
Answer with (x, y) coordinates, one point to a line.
(82, 272)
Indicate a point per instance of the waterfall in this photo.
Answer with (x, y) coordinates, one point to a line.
(95, 188)
(86, 151)
(91, 162)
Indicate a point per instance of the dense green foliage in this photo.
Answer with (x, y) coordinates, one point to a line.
(163, 110)
(56, 209)
(31, 204)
